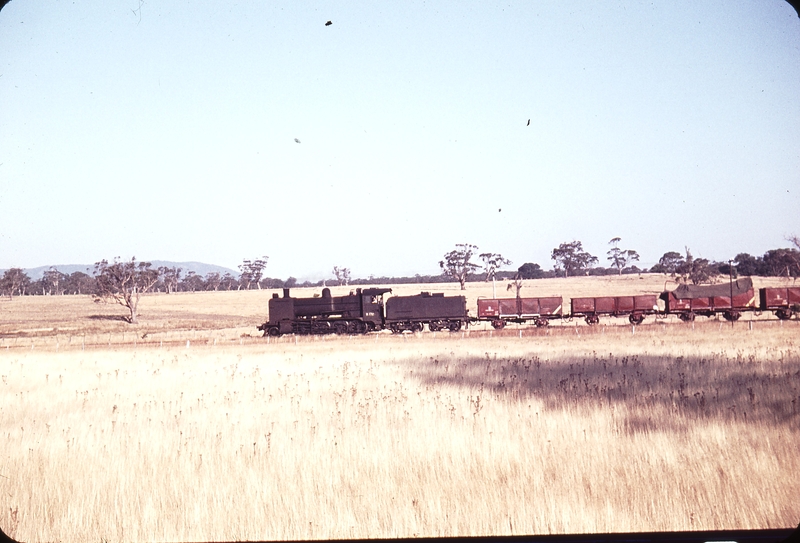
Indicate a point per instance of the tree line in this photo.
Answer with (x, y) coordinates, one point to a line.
(570, 259)
(462, 264)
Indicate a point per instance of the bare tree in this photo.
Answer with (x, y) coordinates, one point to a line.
(516, 284)
(493, 262)
(620, 258)
(457, 263)
(342, 275)
(123, 283)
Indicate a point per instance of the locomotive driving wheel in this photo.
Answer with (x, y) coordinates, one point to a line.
(340, 328)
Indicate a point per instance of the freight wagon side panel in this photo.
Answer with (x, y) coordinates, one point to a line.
(772, 298)
(488, 308)
(530, 306)
(616, 305)
(605, 305)
(677, 304)
(626, 304)
(551, 306)
(745, 300)
(645, 302)
(508, 307)
(778, 298)
(580, 306)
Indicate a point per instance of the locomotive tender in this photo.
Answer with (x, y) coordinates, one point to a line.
(438, 311)
(364, 310)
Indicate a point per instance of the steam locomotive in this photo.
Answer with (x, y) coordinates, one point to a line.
(365, 310)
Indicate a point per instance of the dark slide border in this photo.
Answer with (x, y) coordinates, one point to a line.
(718, 536)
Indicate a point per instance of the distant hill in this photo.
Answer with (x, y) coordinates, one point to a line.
(197, 267)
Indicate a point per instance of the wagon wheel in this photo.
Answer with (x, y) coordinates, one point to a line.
(272, 331)
(434, 326)
(454, 326)
(540, 322)
(732, 315)
(784, 314)
(499, 324)
(417, 327)
(592, 319)
(395, 328)
(636, 318)
(686, 317)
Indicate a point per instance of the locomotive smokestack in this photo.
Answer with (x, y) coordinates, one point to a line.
(286, 293)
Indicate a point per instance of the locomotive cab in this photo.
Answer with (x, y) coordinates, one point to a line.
(372, 305)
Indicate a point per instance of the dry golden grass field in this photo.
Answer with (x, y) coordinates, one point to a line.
(190, 427)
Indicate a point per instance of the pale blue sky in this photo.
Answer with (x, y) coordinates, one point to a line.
(167, 130)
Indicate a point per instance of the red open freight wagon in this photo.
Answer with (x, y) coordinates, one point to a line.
(500, 311)
(686, 301)
(635, 307)
(785, 301)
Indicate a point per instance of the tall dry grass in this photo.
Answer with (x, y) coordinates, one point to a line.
(670, 428)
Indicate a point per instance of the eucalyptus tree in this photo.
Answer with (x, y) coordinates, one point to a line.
(123, 282)
(457, 264)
